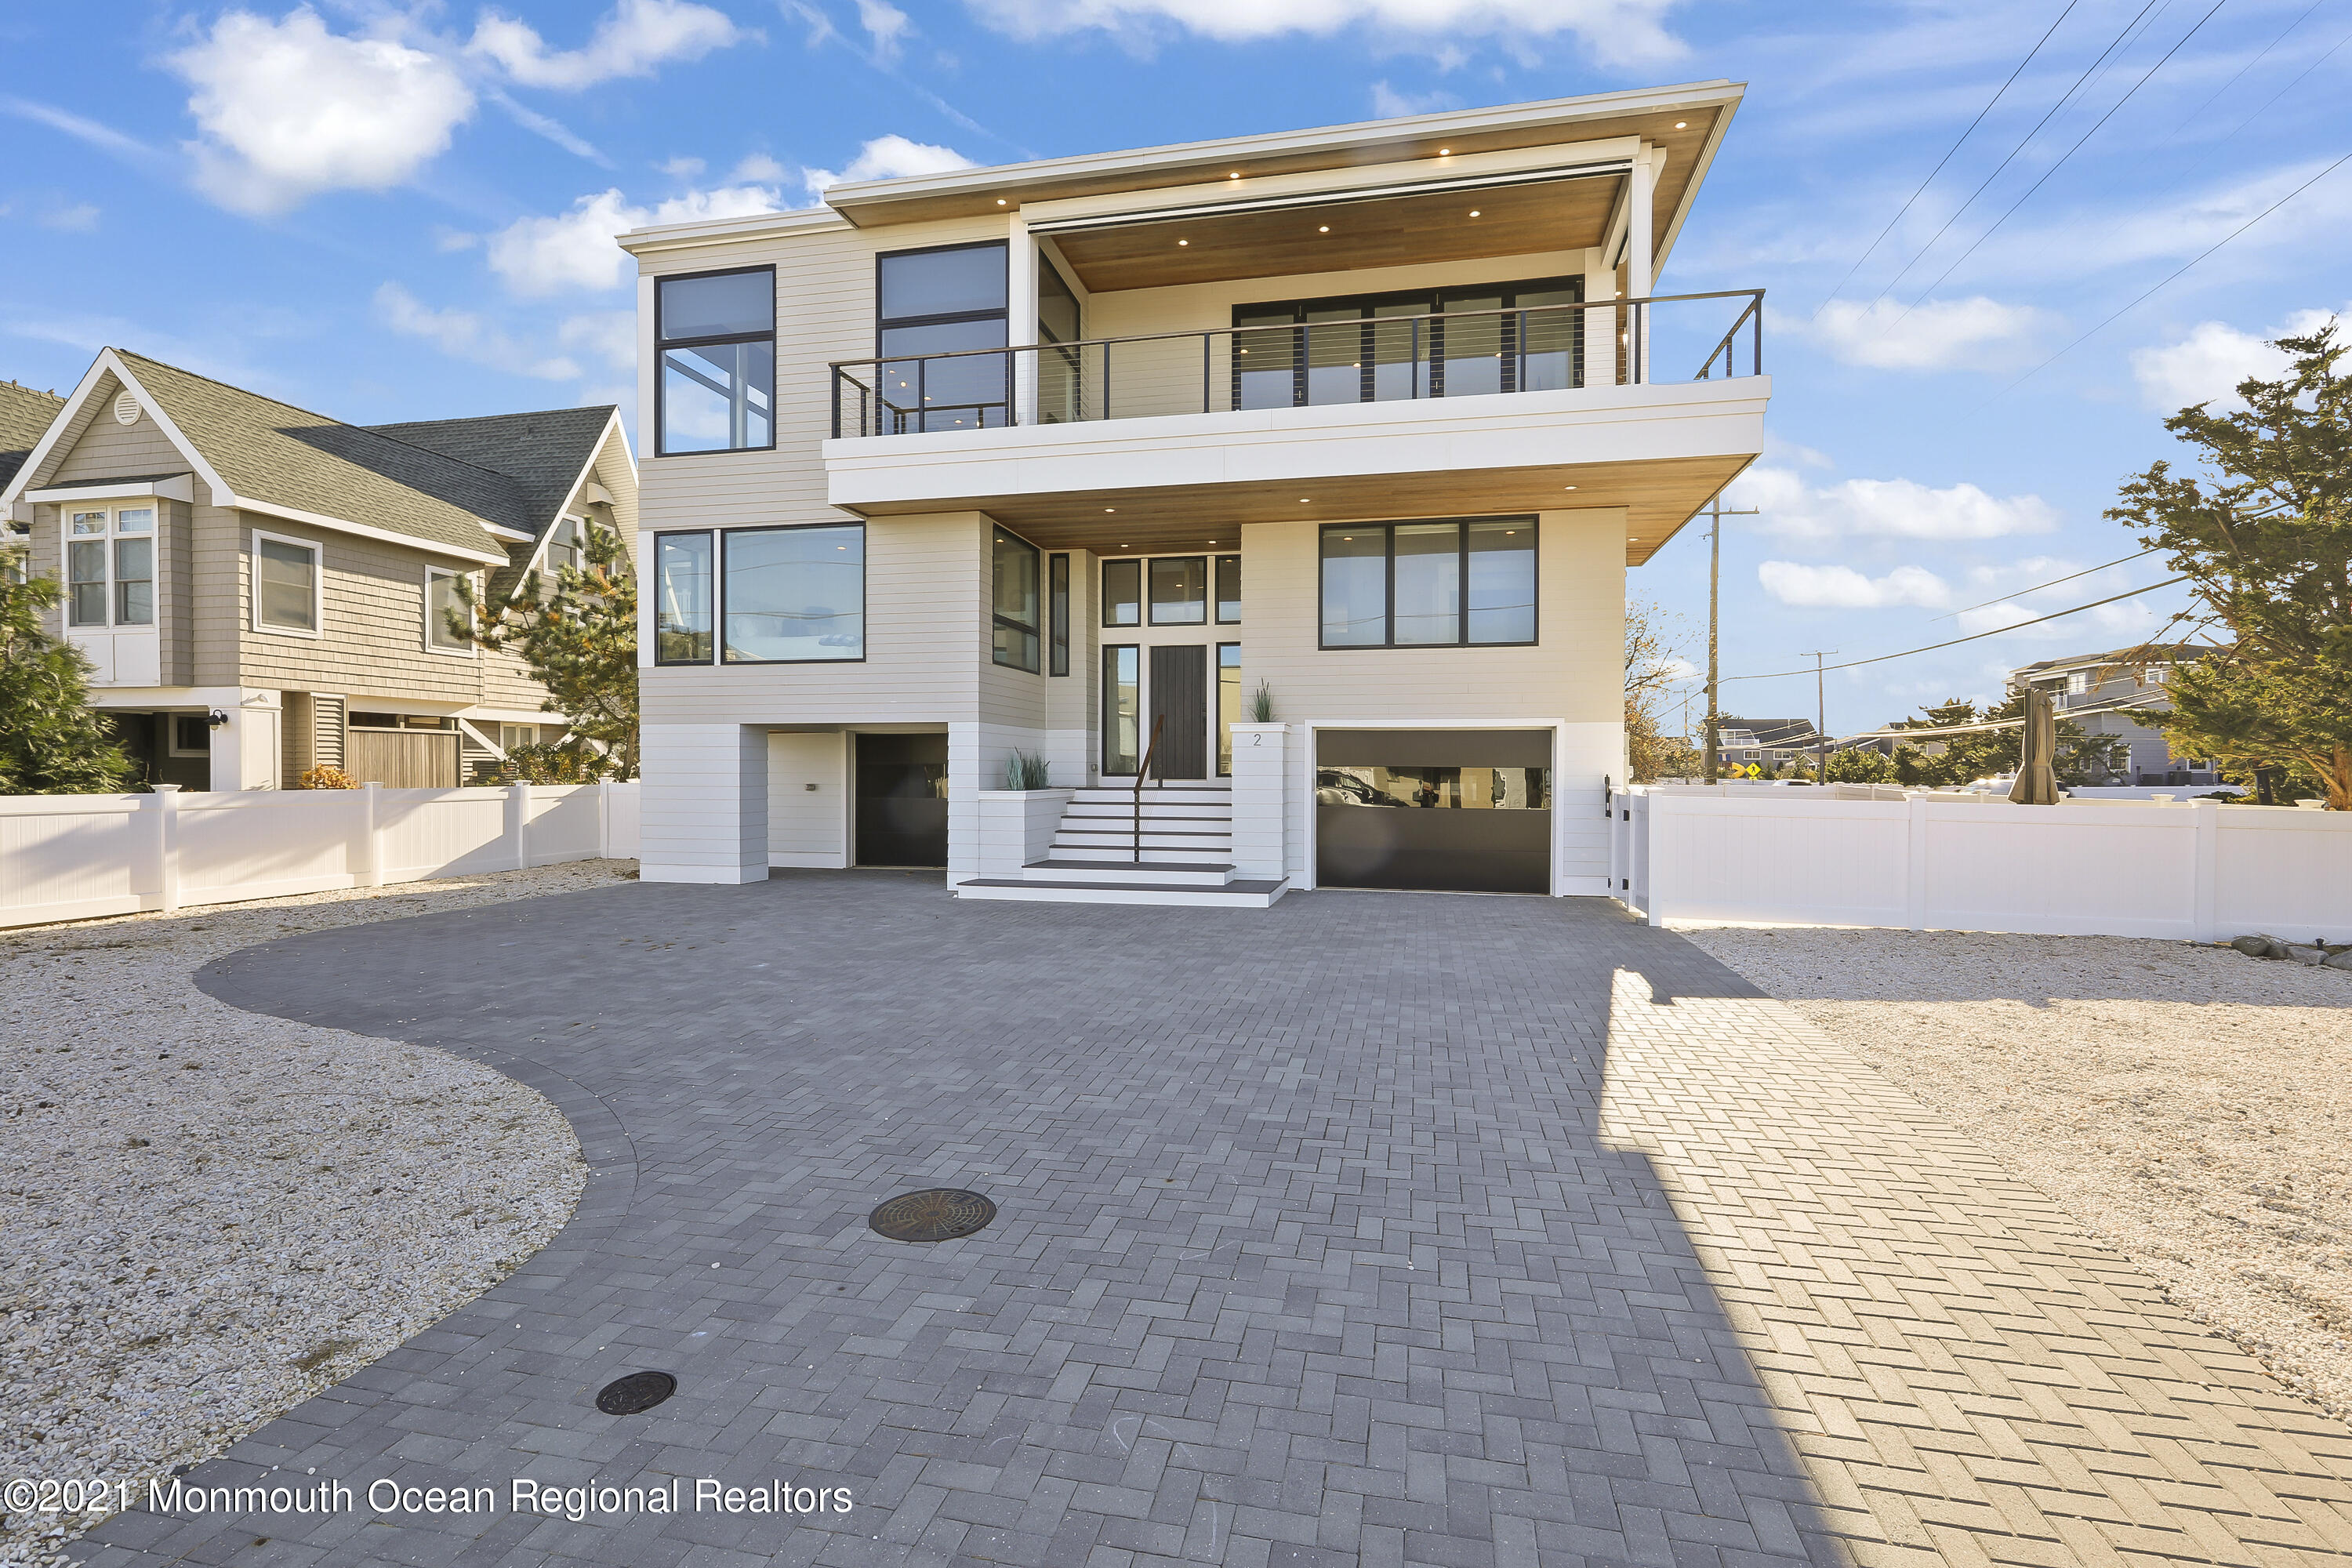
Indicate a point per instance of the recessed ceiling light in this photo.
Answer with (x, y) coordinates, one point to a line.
(1303, 500)
(1474, 211)
(1682, 124)
(1110, 509)
(1444, 152)
(1183, 242)
(1325, 230)
(1234, 175)
(1568, 487)
(1000, 201)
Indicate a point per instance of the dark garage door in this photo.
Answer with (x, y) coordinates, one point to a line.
(1457, 811)
(902, 800)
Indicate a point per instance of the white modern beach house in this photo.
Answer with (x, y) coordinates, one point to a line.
(1183, 525)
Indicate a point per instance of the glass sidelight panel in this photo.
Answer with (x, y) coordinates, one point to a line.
(1228, 702)
(1179, 590)
(1122, 593)
(682, 598)
(1122, 710)
(1057, 614)
(1229, 589)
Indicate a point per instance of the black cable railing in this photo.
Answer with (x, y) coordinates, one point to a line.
(1378, 358)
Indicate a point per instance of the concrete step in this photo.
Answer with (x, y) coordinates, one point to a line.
(1115, 873)
(1232, 896)
(1121, 853)
(1153, 833)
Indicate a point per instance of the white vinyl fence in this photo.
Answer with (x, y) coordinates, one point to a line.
(2199, 870)
(74, 857)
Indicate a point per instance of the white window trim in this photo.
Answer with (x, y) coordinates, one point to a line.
(318, 585)
(470, 651)
(106, 538)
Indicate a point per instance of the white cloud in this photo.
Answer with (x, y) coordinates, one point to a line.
(461, 334)
(1387, 103)
(610, 335)
(757, 169)
(1885, 509)
(287, 110)
(1618, 32)
(80, 219)
(575, 251)
(1975, 334)
(888, 158)
(885, 24)
(636, 39)
(83, 130)
(2207, 366)
(683, 168)
(448, 241)
(1844, 588)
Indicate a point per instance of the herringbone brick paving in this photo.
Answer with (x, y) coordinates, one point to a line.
(1378, 1228)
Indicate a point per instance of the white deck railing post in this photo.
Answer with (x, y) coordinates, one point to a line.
(2204, 894)
(519, 824)
(1915, 865)
(368, 869)
(166, 843)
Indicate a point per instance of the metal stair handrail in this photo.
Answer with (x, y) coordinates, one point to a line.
(1142, 770)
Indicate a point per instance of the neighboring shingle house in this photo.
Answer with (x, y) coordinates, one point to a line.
(2114, 695)
(262, 589)
(25, 417)
(1768, 743)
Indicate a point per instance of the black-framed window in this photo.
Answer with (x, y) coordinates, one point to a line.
(1058, 613)
(1061, 383)
(1122, 593)
(1228, 702)
(1013, 601)
(1122, 707)
(1229, 589)
(942, 300)
(714, 343)
(1441, 583)
(683, 597)
(1179, 590)
(793, 596)
(1364, 348)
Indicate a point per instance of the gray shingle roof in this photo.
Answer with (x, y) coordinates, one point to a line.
(270, 451)
(24, 418)
(544, 452)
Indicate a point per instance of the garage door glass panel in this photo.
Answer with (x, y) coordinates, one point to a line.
(1439, 810)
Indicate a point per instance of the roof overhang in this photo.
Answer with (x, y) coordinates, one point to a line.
(165, 486)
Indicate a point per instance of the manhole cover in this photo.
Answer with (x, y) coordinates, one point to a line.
(639, 1391)
(935, 1213)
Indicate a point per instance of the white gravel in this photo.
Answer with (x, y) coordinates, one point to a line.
(2190, 1106)
(207, 1215)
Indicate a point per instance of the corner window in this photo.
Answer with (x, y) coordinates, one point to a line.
(682, 598)
(715, 338)
(945, 300)
(1229, 589)
(109, 581)
(441, 604)
(1179, 590)
(1013, 601)
(286, 583)
(1122, 593)
(793, 596)
(1058, 613)
(1406, 585)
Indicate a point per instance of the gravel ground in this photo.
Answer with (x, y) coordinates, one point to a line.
(2190, 1106)
(208, 1215)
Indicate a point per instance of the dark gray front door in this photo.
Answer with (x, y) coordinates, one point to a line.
(1179, 711)
(902, 803)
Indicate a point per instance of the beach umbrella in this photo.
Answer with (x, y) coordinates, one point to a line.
(2037, 783)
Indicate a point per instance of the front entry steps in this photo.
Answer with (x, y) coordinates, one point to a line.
(1187, 846)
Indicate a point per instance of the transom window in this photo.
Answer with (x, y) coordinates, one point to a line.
(943, 300)
(1370, 348)
(1418, 584)
(715, 337)
(110, 566)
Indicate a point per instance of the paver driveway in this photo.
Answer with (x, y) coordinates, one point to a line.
(1371, 1227)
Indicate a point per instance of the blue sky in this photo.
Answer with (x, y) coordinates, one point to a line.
(396, 212)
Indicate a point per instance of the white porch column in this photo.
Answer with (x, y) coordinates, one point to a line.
(1640, 267)
(1260, 777)
(1021, 318)
(704, 797)
(245, 751)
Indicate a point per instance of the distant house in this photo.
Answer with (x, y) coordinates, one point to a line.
(261, 589)
(24, 418)
(1768, 743)
(2111, 694)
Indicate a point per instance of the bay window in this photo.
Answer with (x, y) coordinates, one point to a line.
(110, 567)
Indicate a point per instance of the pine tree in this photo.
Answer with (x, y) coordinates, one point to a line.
(2266, 544)
(51, 740)
(580, 641)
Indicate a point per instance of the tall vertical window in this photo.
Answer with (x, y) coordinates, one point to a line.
(134, 582)
(86, 574)
(1228, 702)
(950, 300)
(1179, 590)
(715, 336)
(1061, 390)
(1013, 601)
(1405, 584)
(442, 609)
(1122, 708)
(794, 595)
(1229, 589)
(1058, 613)
(682, 598)
(1122, 593)
(286, 585)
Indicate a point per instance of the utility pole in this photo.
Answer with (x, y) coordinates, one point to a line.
(1821, 722)
(1714, 603)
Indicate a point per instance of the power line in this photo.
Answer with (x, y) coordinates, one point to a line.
(2063, 99)
(2021, 592)
(1946, 158)
(2290, 86)
(2135, 304)
(2053, 168)
(1997, 631)
(2200, 112)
